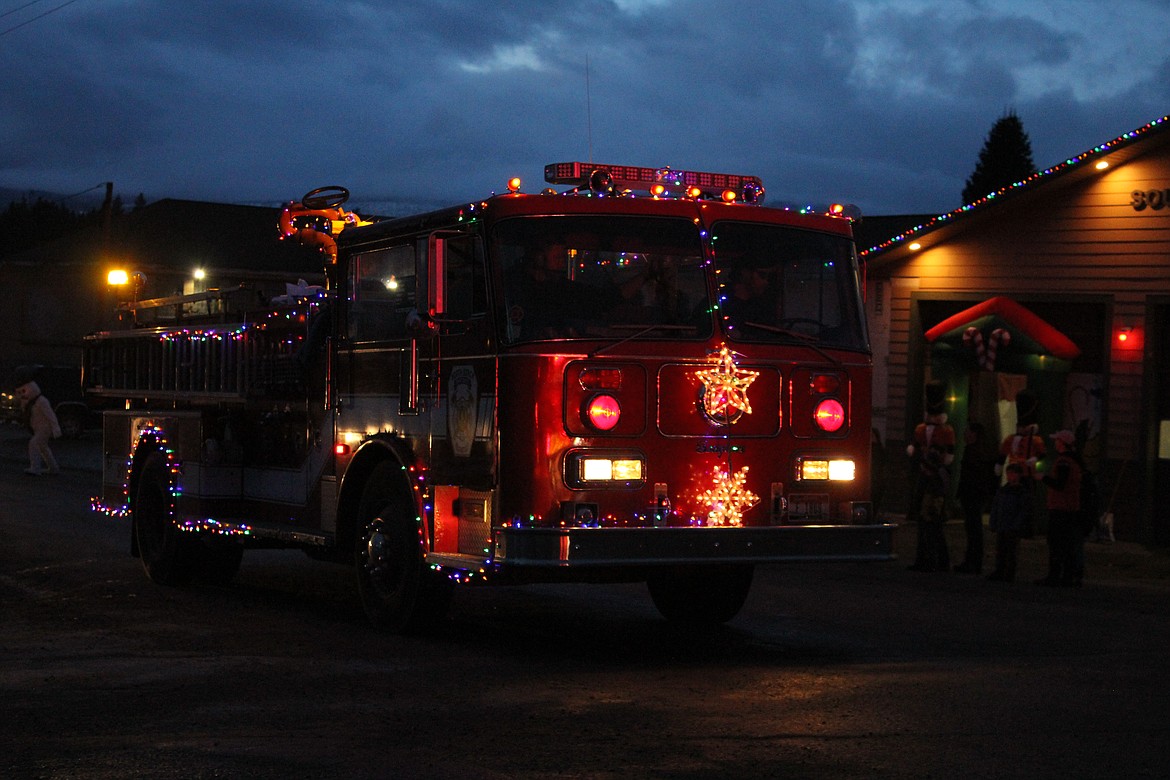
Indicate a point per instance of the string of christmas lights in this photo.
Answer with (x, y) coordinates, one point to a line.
(1121, 140)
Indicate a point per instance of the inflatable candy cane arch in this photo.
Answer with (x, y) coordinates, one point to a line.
(985, 354)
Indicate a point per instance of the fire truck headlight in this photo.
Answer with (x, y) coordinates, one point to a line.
(841, 470)
(610, 470)
(588, 469)
(813, 469)
(627, 470)
(596, 469)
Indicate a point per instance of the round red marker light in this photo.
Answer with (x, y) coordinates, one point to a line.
(829, 415)
(603, 412)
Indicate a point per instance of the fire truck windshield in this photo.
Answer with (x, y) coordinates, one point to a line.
(782, 284)
(601, 277)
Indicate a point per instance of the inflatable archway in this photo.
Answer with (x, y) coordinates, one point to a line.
(1001, 345)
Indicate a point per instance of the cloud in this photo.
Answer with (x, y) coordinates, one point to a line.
(888, 100)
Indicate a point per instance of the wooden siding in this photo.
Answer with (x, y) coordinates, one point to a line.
(1061, 241)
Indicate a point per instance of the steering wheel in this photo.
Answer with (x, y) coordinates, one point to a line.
(325, 197)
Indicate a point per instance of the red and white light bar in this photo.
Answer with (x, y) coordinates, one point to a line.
(583, 174)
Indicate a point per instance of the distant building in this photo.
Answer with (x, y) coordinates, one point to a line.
(1084, 248)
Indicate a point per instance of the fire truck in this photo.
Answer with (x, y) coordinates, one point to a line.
(634, 375)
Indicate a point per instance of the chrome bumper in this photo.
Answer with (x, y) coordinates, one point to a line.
(608, 547)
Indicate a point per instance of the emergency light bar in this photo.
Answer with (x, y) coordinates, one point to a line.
(582, 174)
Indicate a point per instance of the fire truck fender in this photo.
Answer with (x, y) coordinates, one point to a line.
(365, 459)
(168, 557)
(382, 525)
(148, 444)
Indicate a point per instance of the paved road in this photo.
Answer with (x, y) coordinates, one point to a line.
(830, 671)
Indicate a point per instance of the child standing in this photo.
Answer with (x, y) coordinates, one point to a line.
(1011, 512)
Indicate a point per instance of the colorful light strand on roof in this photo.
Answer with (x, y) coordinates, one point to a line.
(1121, 140)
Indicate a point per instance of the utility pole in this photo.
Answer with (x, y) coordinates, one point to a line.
(107, 214)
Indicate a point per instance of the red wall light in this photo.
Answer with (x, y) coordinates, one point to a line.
(1127, 338)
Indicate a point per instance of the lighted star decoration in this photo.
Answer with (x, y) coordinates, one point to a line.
(724, 398)
(728, 498)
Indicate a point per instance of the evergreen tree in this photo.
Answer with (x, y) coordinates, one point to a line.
(1005, 159)
(25, 224)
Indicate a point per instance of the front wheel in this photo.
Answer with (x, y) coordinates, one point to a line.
(398, 592)
(700, 595)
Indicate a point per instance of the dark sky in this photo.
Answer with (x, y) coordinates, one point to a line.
(884, 104)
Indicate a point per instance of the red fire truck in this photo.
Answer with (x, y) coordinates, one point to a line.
(644, 375)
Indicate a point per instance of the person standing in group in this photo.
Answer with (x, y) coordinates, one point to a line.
(977, 484)
(1011, 512)
(41, 421)
(1066, 533)
(1025, 446)
(932, 451)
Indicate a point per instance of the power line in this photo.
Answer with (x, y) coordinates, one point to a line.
(19, 8)
(77, 194)
(33, 19)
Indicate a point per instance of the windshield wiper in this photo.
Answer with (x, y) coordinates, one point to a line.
(809, 341)
(644, 329)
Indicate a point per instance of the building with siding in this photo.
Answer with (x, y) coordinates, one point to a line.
(1084, 246)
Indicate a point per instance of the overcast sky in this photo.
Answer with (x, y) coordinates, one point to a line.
(882, 103)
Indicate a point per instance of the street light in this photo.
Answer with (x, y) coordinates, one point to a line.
(120, 278)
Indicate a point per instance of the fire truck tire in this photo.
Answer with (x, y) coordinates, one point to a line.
(700, 595)
(398, 592)
(167, 557)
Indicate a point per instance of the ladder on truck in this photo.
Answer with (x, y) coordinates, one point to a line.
(218, 346)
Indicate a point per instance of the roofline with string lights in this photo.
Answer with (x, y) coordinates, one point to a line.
(1076, 162)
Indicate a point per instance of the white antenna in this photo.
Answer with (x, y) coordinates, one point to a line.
(588, 109)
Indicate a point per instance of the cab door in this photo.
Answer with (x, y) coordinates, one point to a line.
(386, 378)
(463, 442)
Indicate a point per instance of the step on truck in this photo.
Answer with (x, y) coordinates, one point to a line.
(636, 374)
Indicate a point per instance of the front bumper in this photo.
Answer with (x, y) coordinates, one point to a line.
(620, 547)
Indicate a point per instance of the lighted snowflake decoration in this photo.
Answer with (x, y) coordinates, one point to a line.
(724, 397)
(728, 498)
